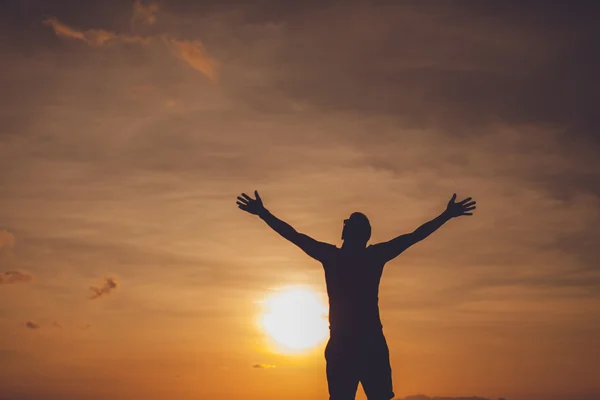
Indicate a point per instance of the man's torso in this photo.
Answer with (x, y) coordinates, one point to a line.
(352, 279)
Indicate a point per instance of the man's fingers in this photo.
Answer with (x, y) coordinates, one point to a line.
(467, 214)
(242, 200)
(453, 198)
(243, 208)
(246, 196)
(469, 208)
(469, 204)
(257, 195)
(465, 200)
(239, 203)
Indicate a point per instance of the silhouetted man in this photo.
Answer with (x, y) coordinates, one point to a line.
(357, 350)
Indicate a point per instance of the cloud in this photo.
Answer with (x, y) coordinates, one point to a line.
(63, 30)
(7, 242)
(191, 52)
(31, 325)
(94, 37)
(263, 366)
(478, 72)
(144, 14)
(109, 285)
(34, 325)
(11, 277)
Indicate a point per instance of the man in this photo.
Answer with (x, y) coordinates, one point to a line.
(357, 350)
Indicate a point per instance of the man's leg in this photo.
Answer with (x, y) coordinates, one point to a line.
(376, 371)
(342, 374)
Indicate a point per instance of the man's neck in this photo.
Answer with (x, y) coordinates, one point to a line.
(353, 246)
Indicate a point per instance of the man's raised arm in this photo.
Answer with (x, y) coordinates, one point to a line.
(315, 249)
(391, 249)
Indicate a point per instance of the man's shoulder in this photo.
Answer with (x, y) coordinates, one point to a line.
(330, 253)
(374, 252)
(372, 249)
(332, 249)
(375, 248)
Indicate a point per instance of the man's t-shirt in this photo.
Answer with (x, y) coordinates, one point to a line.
(352, 279)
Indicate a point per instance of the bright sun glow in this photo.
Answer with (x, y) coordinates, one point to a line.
(295, 319)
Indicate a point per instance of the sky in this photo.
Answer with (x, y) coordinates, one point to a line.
(127, 129)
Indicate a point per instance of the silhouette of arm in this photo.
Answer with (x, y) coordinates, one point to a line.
(315, 249)
(392, 249)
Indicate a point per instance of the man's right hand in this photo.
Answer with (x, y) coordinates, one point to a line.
(248, 204)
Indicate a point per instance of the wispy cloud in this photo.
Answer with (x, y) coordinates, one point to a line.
(31, 325)
(109, 285)
(144, 14)
(64, 30)
(191, 52)
(194, 54)
(12, 277)
(263, 366)
(94, 37)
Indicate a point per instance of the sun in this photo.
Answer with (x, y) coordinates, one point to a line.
(295, 319)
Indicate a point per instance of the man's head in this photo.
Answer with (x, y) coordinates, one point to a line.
(357, 229)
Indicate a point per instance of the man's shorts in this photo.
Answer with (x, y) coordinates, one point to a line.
(352, 360)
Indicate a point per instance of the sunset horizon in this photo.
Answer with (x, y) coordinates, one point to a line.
(127, 129)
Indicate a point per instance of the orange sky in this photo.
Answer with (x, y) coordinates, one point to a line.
(127, 132)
